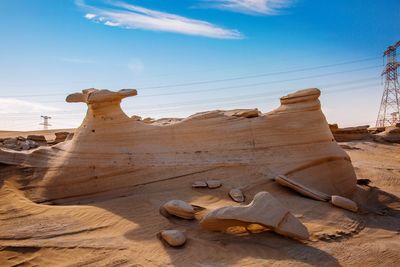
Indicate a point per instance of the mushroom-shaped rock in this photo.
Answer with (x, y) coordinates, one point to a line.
(174, 238)
(302, 189)
(92, 95)
(199, 184)
(264, 210)
(214, 184)
(344, 203)
(179, 208)
(237, 195)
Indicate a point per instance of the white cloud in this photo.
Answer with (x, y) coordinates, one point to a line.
(253, 7)
(13, 105)
(90, 16)
(135, 17)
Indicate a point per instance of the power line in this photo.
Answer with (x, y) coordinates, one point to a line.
(225, 79)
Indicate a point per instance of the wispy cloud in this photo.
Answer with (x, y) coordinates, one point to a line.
(135, 17)
(13, 105)
(252, 7)
(76, 60)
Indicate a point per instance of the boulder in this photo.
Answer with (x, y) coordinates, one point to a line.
(37, 138)
(61, 137)
(264, 210)
(174, 238)
(344, 203)
(179, 208)
(236, 195)
(214, 184)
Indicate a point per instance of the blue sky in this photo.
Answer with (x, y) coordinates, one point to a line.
(190, 56)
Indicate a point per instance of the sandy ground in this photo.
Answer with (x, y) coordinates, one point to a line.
(123, 231)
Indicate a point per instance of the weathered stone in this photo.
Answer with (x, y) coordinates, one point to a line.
(344, 203)
(199, 184)
(60, 137)
(214, 184)
(264, 210)
(180, 209)
(247, 113)
(302, 189)
(37, 138)
(174, 238)
(236, 195)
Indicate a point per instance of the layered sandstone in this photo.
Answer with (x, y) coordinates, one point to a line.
(112, 153)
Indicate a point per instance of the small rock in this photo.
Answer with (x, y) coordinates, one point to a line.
(61, 137)
(180, 209)
(344, 203)
(10, 141)
(23, 145)
(37, 138)
(199, 184)
(214, 184)
(174, 238)
(236, 195)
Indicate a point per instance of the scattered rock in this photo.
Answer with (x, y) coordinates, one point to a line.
(18, 143)
(179, 208)
(264, 210)
(344, 203)
(174, 238)
(214, 184)
(60, 137)
(37, 138)
(199, 184)
(391, 134)
(247, 113)
(136, 118)
(236, 195)
(306, 191)
(148, 120)
(350, 133)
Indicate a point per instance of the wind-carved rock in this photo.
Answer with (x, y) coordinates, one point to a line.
(264, 210)
(111, 152)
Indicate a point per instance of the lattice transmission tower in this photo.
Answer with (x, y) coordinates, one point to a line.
(45, 122)
(389, 111)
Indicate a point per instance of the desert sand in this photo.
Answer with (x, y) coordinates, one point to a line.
(95, 200)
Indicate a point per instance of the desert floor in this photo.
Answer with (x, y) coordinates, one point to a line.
(123, 231)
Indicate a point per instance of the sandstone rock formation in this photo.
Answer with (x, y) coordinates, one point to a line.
(306, 191)
(264, 210)
(391, 134)
(111, 152)
(350, 133)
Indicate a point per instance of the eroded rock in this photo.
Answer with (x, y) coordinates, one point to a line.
(264, 210)
(212, 184)
(179, 208)
(344, 203)
(174, 238)
(302, 189)
(199, 184)
(237, 195)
